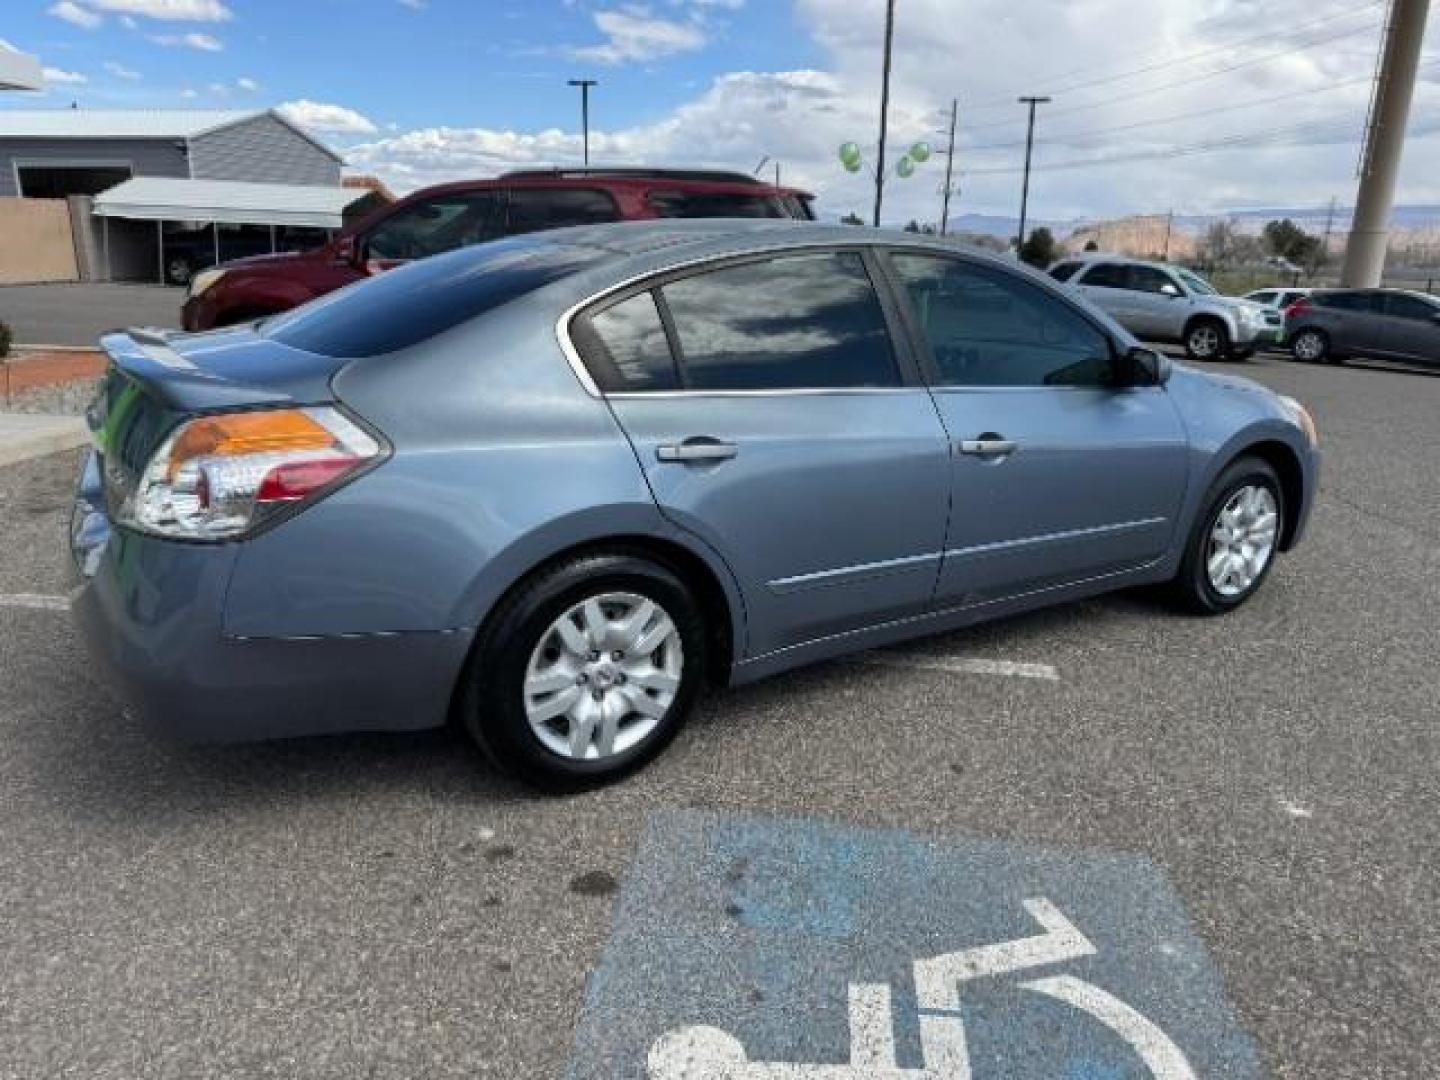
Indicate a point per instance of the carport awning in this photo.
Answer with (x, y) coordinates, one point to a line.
(158, 198)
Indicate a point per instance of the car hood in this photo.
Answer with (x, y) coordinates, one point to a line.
(279, 258)
(1238, 304)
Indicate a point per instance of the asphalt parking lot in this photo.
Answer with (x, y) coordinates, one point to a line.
(1238, 816)
(77, 314)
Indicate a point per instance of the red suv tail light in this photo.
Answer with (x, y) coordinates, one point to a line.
(1298, 308)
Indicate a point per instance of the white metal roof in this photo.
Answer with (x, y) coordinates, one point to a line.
(116, 123)
(162, 198)
(19, 71)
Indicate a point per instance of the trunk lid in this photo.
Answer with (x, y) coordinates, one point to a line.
(157, 378)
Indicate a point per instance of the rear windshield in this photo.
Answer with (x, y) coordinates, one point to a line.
(691, 204)
(402, 307)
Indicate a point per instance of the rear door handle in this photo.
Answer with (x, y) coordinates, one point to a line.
(988, 446)
(697, 450)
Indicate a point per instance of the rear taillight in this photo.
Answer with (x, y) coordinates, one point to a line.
(216, 477)
(1298, 308)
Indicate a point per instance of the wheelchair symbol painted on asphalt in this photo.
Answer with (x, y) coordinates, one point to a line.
(751, 948)
(706, 1053)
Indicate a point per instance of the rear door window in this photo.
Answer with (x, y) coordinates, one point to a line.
(795, 322)
(532, 209)
(1149, 279)
(1106, 276)
(625, 346)
(1346, 301)
(1409, 307)
(690, 204)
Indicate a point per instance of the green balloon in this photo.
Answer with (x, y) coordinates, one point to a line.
(920, 151)
(850, 156)
(905, 167)
(850, 166)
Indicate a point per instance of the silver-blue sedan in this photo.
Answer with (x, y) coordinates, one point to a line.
(550, 487)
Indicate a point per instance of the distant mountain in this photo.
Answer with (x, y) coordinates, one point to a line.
(1310, 218)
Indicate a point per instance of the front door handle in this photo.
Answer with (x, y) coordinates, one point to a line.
(697, 450)
(988, 445)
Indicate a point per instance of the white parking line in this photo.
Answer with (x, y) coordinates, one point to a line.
(34, 601)
(960, 665)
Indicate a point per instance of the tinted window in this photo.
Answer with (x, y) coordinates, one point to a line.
(1106, 276)
(807, 321)
(628, 349)
(554, 208)
(1148, 279)
(1409, 307)
(687, 204)
(397, 309)
(1345, 301)
(433, 226)
(987, 327)
(1064, 271)
(1262, 297)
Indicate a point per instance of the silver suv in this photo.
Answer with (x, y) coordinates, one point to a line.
(1159, 302)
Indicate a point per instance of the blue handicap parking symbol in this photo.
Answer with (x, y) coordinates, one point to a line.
(757, 949)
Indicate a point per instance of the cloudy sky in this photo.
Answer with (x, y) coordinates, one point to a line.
(1199, 105)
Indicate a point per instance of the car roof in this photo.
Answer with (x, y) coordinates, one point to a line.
(694, 182)
(1127, 260)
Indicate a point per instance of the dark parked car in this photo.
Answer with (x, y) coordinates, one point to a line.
(551, 485)
(1387, 324)
(449, 216)
(189, 251)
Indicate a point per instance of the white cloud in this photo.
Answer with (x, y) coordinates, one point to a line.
(321, 116)
(203, 42)
(168, 10)
(76, 15)
(189, 94)
(219, 89)
(632, 35)
(120, 71)
(247, 84)
(985, 51)
(415, 5)
(59, 75)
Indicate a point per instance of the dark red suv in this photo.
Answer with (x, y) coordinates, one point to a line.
(449, 216)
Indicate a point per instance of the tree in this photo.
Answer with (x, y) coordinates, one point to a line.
(1091, 245)
(1289, 241)
(1039, 248)
(852, 218)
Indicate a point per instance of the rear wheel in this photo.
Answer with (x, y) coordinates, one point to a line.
(585, 672)
(1310, 346)
(1233, 542)
(1206, 339)
(179, 270)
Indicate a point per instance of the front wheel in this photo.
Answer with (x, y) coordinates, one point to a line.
(1233, 542)
(1206, 339)
(585, 672)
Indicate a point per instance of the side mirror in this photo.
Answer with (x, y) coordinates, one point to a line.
(1170, 290)
(345, 250)
(1140, 366)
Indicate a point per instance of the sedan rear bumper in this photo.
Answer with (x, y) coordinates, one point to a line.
(150, 612)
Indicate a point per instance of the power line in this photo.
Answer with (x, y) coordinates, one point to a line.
(1176, 117)
(1001, 102)
(1201, 77)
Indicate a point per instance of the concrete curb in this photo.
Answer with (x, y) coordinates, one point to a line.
(30, 435)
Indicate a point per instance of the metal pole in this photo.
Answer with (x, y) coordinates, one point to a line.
(949, 169)
(884, 107)
(215, 231)
(1385, 142)
(585, 85)
(160, 247)
(105, 235)
(1169, 225)
(272, 239)
(1025, 187)
(777, 174)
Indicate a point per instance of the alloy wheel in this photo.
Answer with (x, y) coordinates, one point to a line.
(1242, 541)
(1204, 342)
(603, 676)
(1309, 346)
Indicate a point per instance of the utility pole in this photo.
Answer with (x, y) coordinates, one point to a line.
(585, 85)
(1025, 188)
(1384, 143)
(1329, 230)
(949, 168)
(884, 107)
(1169, 226)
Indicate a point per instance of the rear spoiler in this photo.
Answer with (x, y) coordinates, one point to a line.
(146, 357)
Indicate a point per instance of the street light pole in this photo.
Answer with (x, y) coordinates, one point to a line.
(884, 108)
(585, 85)
(1025, 187)
(949, 168)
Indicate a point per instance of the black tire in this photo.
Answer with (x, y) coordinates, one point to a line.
(1192, 587)
(1241, 354)
(1313, 344)
(1202, 331)
(492, 701)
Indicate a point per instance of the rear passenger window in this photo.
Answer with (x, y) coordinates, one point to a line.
(629, 350)
(532, 209)
(799, 322)
(1107, 276)
(1064, 271)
